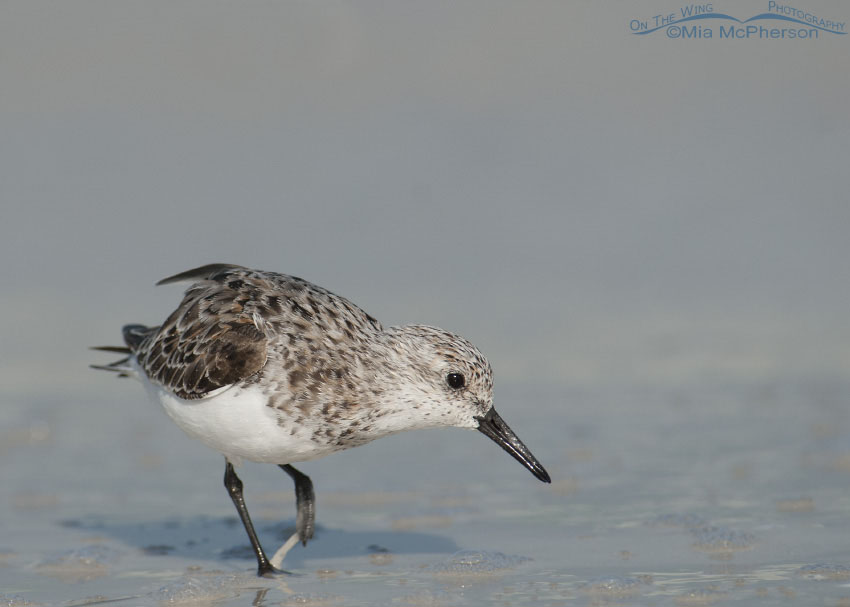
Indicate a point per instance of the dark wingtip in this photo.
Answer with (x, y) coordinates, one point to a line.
(198, 273)
(116, 349)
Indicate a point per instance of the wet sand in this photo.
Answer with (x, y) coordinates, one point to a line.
(685, 495)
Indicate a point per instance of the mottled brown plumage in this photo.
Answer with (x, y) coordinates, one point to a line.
(229, 320)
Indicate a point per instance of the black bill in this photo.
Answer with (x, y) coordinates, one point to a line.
(495, 427)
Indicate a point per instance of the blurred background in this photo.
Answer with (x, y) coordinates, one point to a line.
(579, 201)
(597, 211)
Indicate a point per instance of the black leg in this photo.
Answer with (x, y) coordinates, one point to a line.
(234, 488)
(305, 503)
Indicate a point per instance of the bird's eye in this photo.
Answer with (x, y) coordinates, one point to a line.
(456, 381)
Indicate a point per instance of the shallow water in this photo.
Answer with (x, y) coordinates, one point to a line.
(661, 495)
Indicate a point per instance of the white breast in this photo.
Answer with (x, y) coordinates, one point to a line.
(238, 423)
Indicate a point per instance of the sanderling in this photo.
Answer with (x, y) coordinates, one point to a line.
(271, 368)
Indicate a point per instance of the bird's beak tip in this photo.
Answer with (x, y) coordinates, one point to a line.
(492, 425)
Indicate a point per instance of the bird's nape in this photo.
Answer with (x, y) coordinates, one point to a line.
(492, 425)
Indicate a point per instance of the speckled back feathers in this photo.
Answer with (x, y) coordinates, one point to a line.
(232, 320)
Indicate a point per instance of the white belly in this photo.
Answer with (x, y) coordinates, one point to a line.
(238, 423)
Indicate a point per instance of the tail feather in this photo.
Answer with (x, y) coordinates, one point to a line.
(121, 367)
(134, 336)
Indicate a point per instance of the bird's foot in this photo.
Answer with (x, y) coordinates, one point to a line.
(270, 571)
(277, 559)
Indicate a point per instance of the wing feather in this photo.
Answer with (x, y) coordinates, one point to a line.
(208, 342)
(201, 273)
(232, 318)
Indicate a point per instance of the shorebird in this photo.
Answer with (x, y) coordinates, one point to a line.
(271, 368)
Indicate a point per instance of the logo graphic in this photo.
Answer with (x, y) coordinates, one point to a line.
(701, 21)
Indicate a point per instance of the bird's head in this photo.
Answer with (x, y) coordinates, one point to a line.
(447, 381)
